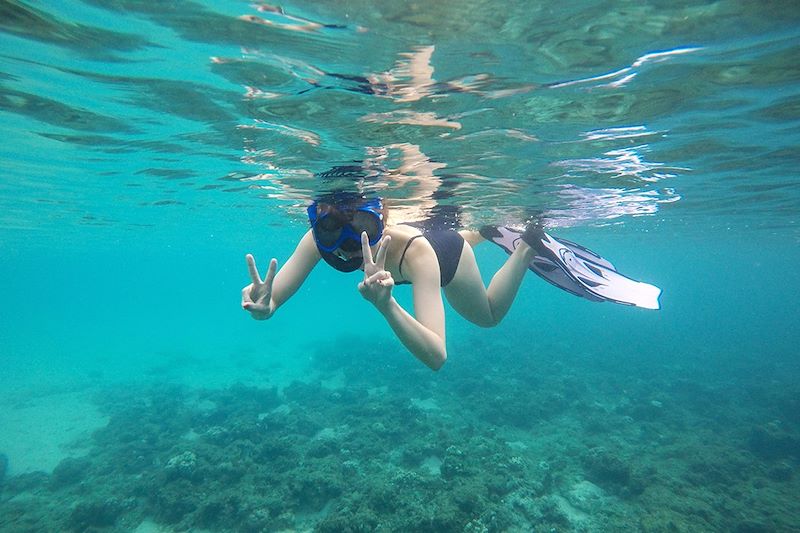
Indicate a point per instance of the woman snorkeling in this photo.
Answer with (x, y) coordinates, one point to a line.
(350, 231)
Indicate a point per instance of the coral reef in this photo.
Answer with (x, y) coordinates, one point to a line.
(555, 445)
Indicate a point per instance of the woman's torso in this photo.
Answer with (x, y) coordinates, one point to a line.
(408, 240)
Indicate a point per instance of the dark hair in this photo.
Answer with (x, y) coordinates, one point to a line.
(341, 199)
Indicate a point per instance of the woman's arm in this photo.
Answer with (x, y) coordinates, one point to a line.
(423, 336)
(262, 298)
(297, 268)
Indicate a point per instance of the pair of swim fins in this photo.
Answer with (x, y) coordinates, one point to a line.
(575, 269)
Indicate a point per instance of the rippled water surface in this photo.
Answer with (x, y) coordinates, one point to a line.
(131, 114)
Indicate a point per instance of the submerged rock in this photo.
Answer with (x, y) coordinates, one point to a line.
(454, 463)
(173, 502)
(772, 441)
(88, 515)
(25, 482)
(605, 467)
(613, 472)
(69, 471)
(3, 467)
(587, 497)
(183, 465)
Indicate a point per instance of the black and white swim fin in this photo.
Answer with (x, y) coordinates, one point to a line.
(576, 269)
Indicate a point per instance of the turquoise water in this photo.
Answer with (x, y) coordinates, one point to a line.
(148, 146)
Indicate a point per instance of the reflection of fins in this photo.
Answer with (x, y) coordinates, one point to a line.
(575, 269)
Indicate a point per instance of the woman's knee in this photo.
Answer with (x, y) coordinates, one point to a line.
(485, 321)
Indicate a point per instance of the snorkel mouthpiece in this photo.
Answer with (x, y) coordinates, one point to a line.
(350, 245)
(341, 264)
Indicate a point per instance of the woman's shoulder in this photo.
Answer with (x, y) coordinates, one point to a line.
(402, 237)
(411, 252)
(401, 233)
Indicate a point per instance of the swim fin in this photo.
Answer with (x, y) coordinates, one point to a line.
(574, 268)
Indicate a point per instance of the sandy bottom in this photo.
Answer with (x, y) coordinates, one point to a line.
(48, 406)
(39, 432)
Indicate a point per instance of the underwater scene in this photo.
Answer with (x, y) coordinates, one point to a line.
(625, 172)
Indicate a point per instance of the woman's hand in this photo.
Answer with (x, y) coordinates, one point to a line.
(378, 283)
(257, 297)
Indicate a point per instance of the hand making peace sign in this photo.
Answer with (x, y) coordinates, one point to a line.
(257, 297)
(378, 283)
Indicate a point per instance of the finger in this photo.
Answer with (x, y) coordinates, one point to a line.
(246, 298)
(380, 256)
(251, 266)
(257, 312)
(254, 307)
(377, 276)
(273, 266)
(365, 250)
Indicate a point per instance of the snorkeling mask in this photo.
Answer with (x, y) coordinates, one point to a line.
(340, 227)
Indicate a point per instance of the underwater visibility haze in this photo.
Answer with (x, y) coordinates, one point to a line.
(148, 146)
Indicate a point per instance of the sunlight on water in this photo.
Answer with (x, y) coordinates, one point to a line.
(496, 107)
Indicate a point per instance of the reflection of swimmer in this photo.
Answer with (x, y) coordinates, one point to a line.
(350, 231)
(411, 79)
(401, 169)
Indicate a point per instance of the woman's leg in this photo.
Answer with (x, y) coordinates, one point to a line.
(471, 236)
(487, 306)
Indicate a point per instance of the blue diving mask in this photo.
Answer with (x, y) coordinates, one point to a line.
(341, 227)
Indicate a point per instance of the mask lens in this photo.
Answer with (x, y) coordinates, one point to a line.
(328, 230)
(369, 222)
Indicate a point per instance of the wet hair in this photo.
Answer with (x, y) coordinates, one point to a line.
(337, 186)
(343, 199)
